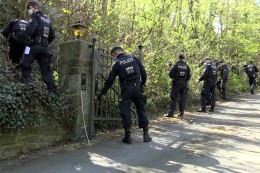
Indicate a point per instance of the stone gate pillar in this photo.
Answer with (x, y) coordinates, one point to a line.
(75, 72)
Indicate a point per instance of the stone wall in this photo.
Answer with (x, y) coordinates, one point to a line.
(75, 61)
(13, 143)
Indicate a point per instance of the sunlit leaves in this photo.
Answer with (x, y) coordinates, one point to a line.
(64, 10)
(165, 28)
(51, 3)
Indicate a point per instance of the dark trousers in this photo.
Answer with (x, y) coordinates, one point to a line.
(208, 87)
(252, 82)
(40, 53)
(16, 52)
(133, 94)
(178, 88)
(222, 88)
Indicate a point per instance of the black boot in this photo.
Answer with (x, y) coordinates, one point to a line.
(211, 109)
(224, 94)
(168, 115)
(202, 110)
(127, 139)
(180, 115)
(252, 89)
(147, 137)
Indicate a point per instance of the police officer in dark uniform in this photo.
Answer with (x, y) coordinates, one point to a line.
(132, 77)
(180, 75)
(9, 32)
(252, 73)
(209, 77)
(42, 34)
(221, 84)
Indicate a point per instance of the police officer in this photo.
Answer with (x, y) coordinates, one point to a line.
(209, 77)
(42, 34)
(132, 77)
(9, 32)
(221, 84)
(180, 75)
(252, 73)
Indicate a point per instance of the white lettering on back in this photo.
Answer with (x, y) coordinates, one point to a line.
(125, 61)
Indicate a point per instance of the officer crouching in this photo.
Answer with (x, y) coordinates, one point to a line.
(209, 77)
(132, 78)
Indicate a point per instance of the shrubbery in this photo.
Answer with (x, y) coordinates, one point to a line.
(29, 107)
(26, 107)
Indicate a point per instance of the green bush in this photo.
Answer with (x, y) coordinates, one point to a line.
(26, 107)
(237, 83)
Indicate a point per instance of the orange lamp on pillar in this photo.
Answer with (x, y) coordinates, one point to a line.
(78, 29)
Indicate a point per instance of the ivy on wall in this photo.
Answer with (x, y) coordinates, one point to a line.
(26, 107)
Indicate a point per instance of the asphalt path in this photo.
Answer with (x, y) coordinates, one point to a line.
(226, 141)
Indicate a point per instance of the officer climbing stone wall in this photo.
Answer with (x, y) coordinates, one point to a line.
(41, 32)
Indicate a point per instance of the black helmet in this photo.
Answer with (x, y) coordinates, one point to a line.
(181, 56)
(116, 48)
(33, 4)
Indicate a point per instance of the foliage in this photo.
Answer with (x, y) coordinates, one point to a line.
(219, 28)
(25, 107)
(30, 107)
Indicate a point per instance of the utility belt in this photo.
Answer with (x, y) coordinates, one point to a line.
(179, 81)
(211, 79)
(40, 40)
(251, 74)
(132, 83)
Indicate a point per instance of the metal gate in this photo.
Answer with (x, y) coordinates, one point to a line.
(106, 112)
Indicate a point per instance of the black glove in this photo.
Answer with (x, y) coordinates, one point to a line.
(144, 99)
(142, 88)
(50, 58)
(99, 95)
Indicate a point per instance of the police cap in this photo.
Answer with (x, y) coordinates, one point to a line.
(116, 48)
(207, 58)
(33, 4)
(221, 61)
(181, 56)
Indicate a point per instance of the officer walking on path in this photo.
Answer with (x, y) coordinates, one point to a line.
(180, 75)
(10, 32)
(221, 84)
(209, 77)
(252, 73)
(132, 77)
(42, 34)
